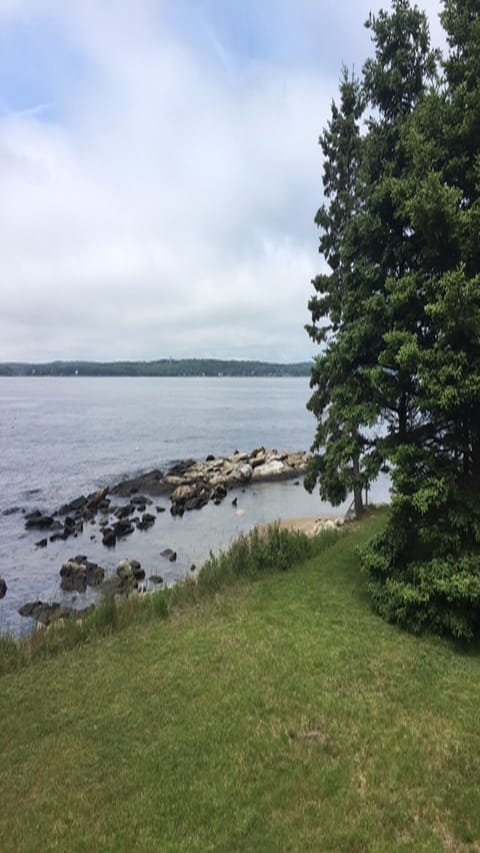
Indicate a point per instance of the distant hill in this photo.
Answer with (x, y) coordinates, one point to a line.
(161, 367)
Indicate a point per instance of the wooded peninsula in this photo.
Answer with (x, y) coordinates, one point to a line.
(160, 367)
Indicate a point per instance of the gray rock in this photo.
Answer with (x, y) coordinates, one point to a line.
(46, 614)
(169, 554)
(3, 588)
(109, 537)
(38, 520)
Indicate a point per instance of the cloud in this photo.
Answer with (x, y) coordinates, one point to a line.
(163, 203)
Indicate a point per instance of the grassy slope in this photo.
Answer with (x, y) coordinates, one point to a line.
(278, 715)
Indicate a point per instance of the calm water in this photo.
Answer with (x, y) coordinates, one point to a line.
(61, 437)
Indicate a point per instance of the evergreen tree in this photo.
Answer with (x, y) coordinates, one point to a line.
(395, 82)
(338, 401)
(425, 567)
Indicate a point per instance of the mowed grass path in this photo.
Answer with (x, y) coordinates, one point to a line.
(276, 715)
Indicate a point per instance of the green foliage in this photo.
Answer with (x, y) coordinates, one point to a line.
(414, 312)
(339, 396)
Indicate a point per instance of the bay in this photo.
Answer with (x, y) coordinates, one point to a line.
(64, 436)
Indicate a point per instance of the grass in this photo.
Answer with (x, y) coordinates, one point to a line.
(270, 711)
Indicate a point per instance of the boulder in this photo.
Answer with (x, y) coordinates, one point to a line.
(96, 498)
(169, 554)
(177, 509)
(95, 574)
(74, 506)
(127, 580)
(197, 501)
(219, 492)
(123, 511)
(243, 472)
(38, 520)
(150, 482)
(79, 573)
(183, 493)
(137, 570)
(123, 527)
(74, 577)
(147, 520)
(269, 470)
(3, 588)
(46, 614)
(11, 510)
(109, 537)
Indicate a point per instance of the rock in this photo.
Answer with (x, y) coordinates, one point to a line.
(11, 510)
(137, 570)
(37, 519)
(3, 588)
(234, 502)
(177, 509)
(160, 508)
(169, 554)
(219, 492)
(42, 543)
(46, 614)
(156, 579)
(269, 470)
(123, 511)
(210, 458)
(74, 577)
(146, 521)
(126, 574)
(183, 493)
(124, 569)
(193, 567)
(141, 500)
(109, 537)
(323, 524)
(245, 472)
(69, 525)
(95, 574)
(123, 527)
(55, 537)
(96, 498)
(197, 501)
(79, 573)
(181, 468)
(74, 506)
(151, 483)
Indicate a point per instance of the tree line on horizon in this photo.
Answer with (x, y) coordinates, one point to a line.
(160, 367)
(397, 314)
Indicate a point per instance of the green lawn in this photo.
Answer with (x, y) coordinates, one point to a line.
(274, 715)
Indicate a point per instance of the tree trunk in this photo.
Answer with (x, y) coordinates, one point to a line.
(357, 488)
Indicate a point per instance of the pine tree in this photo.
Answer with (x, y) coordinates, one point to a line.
(338, 401)
(425, 567)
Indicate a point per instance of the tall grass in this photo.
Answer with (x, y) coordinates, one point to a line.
(257, 553)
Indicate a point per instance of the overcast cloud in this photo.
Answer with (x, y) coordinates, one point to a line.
(160, 172)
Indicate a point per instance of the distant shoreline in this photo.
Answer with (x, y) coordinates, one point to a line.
(162, 368)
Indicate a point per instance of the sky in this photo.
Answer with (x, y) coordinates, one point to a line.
(160, 173)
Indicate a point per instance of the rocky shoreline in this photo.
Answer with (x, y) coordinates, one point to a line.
(115, 512)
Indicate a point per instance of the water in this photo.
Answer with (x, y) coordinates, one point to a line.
(62, 437)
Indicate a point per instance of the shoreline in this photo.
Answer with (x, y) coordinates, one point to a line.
(34, 557)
